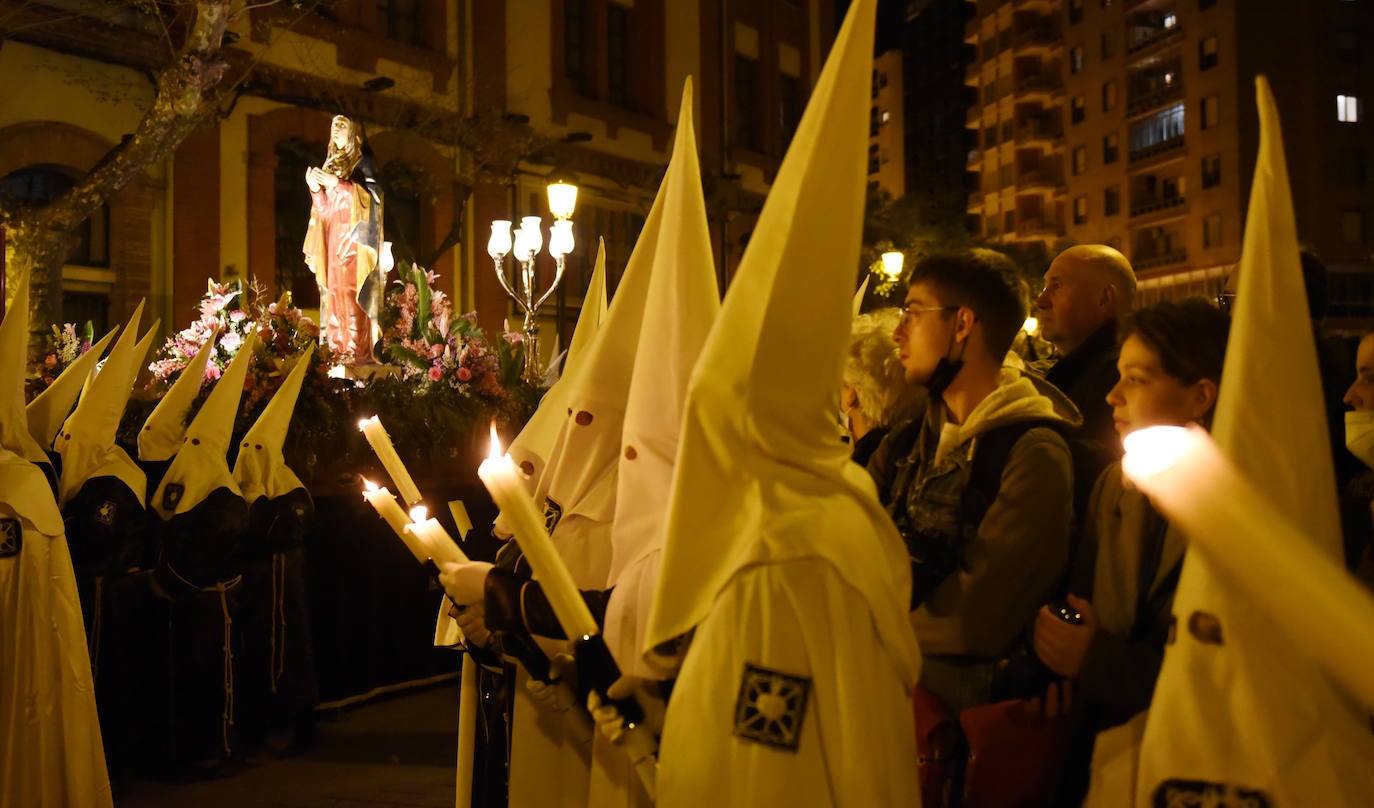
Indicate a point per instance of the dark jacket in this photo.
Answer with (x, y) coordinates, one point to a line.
(1086, 376)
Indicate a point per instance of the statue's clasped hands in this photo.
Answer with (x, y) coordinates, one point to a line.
(317, 178)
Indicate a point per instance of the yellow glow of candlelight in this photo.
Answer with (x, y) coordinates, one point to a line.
(1155, 449)
(362, 423)
(495, 443)
(419, 514)
(368, 485)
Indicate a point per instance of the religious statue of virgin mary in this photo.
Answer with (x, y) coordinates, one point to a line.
(344, 243)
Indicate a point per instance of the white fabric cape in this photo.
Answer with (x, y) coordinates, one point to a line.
(777, 550)
(50, 747)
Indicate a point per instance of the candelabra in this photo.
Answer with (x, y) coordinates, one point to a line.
(524, 245)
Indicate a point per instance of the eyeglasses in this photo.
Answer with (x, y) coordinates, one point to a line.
(909, 312)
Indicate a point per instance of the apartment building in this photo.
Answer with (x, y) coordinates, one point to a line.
(886, 127)
(1143, 132)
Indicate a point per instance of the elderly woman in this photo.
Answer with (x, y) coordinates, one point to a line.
(874, 395)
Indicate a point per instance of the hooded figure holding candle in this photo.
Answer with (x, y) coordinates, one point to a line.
(793, 587)
(50, 743)
(277, 668)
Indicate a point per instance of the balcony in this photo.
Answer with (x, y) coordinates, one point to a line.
(1045, 86)
(1039, 39)
(1161, 260)
(1041, 179)
(1046, 134)
(1145, 102)
(975, 202)
(1039, 228)
(1142, 39)
(973, 75)
(1156, 205)
(1164, 147)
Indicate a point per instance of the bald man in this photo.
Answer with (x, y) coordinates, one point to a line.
(1088, 288)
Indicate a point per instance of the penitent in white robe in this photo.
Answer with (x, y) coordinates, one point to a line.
(50, 747)
(788, 697)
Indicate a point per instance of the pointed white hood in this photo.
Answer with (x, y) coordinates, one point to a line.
(201, 465)
(50, 408)
(579, 481)
(260, 469)
(14, 359)
(531, 448)
(681, 305)
(141, 353)
(760, 476)
(87, 439)
(165, 428)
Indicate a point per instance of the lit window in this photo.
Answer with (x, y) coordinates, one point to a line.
(1080, 159)
(1170, 20)
(887, 116)
(1110, 148)
(1080, 210)
(1076, 59)
(1079, 110)
(1348, 108)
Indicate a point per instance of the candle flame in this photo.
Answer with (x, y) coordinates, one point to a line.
(368, 485)
(419, 514)
(1155, 449)
(362, 422)
(495, 443)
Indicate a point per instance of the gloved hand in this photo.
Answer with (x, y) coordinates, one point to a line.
(609, 720)
(466, 587)
(559, 694)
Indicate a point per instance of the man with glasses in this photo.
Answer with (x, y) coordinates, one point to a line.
(1088, 288)
(981, 486)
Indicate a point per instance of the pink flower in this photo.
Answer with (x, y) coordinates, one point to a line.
(464, 375)
(237, 316)
(212, 371)
(231, 341)
(436, 373)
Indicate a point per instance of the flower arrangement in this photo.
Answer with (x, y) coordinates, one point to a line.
(62, 348)
(434, 347)
(229, 312)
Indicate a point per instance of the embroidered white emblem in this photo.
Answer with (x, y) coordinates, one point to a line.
(770, 707)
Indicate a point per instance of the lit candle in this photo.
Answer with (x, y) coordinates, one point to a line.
(467, 731)
(381, 444)
(432, 536)
(387, 507)
(527, 523)
(1258, 550)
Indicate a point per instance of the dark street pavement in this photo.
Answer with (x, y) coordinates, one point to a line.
(396, 750)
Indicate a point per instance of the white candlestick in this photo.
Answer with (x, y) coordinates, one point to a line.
(432, 536)
(375, 433)
(467, 732)
(460, 518)
(1259, 551)
(527, 523)
(387, 507)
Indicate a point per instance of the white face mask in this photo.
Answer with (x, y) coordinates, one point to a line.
(1359, 435)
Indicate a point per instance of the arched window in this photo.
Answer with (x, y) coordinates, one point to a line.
(86, 279)
(291, 200)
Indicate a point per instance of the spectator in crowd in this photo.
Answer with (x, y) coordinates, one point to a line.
(874, 393)
(981, 486)
(1357, 496)
(1087, 290)
(1109, 638)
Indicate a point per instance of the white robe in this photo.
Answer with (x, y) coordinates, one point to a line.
(857, 743)
(50, 748)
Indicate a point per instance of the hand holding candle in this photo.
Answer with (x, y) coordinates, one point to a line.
(381, 444)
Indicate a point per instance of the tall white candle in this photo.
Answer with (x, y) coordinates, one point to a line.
(461, 520)
(498, 474)
(1258, 550)
(467, 732)
(375, 433)
(387, 507)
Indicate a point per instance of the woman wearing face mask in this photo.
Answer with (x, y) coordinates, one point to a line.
(1108, 640)
(1357, 500)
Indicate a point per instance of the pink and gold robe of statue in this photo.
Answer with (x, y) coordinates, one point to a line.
(341, 250)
